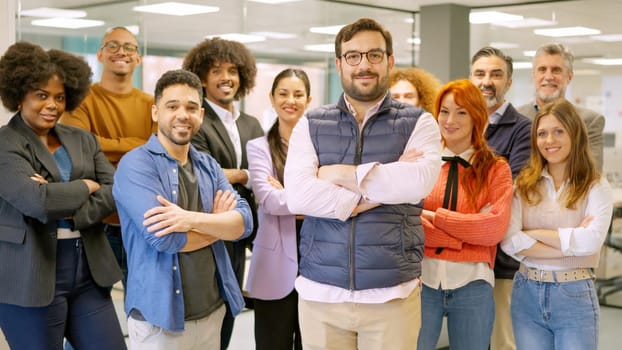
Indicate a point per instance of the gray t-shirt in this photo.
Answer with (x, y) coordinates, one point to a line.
(198, 268)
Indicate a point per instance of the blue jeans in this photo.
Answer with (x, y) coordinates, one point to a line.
(548, 316)
(470, 312)
(81, 311)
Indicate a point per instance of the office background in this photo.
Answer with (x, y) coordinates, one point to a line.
(439, 37)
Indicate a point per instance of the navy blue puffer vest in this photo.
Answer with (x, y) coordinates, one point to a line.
(381, 247)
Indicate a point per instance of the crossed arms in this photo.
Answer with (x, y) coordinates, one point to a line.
(340, 191)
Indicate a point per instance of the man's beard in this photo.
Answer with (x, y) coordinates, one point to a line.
(492, 100)
(379, 90)
(180, 141)
(226, 101)
(548, 98)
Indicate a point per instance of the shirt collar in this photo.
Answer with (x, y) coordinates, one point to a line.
(153, 145)
(224, 114)
(551, 183)
(496, 115)
(371, 111)
(466, 155)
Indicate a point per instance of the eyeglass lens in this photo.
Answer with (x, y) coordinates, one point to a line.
(373, 56)
(114, 46)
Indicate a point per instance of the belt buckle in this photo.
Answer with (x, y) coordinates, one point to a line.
(542, 274)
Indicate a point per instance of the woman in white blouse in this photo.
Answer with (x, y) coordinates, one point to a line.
(560, 216)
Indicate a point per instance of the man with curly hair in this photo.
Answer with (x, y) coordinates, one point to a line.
(117, 113)
(227, 71)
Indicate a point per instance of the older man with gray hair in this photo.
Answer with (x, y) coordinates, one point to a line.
(552, 73)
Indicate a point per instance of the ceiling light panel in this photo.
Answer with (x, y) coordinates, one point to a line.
(49, 12)
(525, 23)
(504, 45)
(176, 9)
(492, 17)
(332, 30)
(566, 31)
(67, 23)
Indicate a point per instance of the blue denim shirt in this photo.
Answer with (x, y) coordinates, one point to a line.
(154, 279)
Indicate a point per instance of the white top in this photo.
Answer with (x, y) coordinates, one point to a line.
(229, 119)
(579, 245)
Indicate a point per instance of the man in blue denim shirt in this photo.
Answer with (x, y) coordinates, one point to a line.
(176, 208)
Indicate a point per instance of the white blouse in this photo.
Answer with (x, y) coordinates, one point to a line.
(579, 245)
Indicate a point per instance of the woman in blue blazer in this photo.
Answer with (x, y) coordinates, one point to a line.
(56, 266)
(274, 263)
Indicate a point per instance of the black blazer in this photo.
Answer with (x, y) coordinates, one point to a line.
(29, 210)
(213, 139)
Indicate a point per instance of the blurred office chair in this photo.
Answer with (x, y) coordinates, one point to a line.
(608, 286)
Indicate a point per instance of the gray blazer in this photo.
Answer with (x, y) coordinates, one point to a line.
(594, 122)
(29, 210)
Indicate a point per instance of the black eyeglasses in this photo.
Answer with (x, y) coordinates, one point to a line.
(374, 56)
(113, 46)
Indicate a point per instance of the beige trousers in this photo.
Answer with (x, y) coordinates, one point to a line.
(200, 334)
(392, 325)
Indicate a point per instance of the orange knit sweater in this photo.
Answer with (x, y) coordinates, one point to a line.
(465, 234)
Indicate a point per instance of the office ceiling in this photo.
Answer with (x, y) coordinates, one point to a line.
(163, 32)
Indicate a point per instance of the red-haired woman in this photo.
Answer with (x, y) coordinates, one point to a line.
(464, 217)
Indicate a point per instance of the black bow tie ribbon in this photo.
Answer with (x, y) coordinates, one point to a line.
(451, 188)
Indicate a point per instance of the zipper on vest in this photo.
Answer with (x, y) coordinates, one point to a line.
(352, 221)
(357, 161)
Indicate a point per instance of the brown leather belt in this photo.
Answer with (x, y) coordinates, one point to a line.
(556, 276)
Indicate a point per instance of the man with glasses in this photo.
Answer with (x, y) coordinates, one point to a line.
(358, 170)
(116, 112)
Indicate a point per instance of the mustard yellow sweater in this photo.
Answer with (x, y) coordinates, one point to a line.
(121, 122)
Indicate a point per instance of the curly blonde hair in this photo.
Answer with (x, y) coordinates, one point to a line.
(426, 84)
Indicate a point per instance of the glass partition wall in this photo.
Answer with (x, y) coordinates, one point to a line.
(279, 33)
(301, 33)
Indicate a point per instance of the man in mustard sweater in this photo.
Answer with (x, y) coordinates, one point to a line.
(116, 112)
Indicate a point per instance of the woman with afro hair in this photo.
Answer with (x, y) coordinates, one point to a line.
(56, 265)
